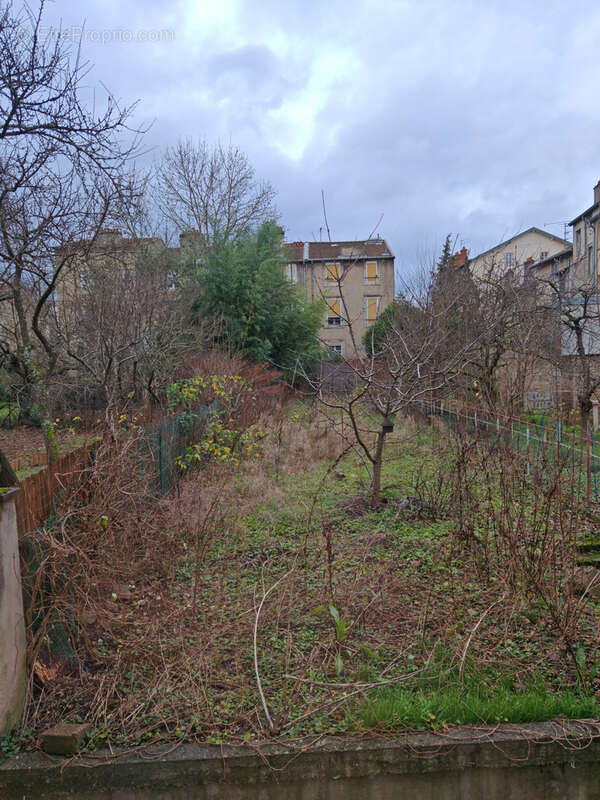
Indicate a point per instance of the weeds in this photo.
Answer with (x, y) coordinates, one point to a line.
(171, 630)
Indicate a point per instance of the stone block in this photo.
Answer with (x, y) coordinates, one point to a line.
(65, 738)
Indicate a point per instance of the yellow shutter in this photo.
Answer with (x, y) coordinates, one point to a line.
(334, 307)
(371, 309)
(333, 272)
(371, 271)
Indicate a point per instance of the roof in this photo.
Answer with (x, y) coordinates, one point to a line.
(111, 241)
(533, 229)
(585, 213)
(350, 250)
(567, 251)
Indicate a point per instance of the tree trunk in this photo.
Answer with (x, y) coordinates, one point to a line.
(377, 465)
(50, 442)
(7, 474)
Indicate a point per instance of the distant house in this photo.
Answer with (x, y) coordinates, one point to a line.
(354, 278)
(115, 252)
(571, 274)
(511, 256)
(555, 268)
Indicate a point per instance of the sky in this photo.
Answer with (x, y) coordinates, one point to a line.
(416, 119)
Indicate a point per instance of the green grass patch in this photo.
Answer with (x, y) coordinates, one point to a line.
(26, 472)
(400, 708)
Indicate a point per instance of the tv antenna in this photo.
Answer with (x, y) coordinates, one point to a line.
(559, 222)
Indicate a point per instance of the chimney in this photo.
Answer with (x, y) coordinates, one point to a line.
(597, 193)
(460, 258)
(190, 238)
(305, 254)
(108, 237)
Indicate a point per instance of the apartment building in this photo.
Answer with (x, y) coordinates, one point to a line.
(354, 278)
(586, 243)
(564, 279)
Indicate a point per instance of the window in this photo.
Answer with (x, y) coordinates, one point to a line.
(334, 311)
(333, 272)
(578, 242)
(371, 275)
(508, 260)
(371, 309)
(590, 260)
(543, 255)
(291, 272)
(336, 347)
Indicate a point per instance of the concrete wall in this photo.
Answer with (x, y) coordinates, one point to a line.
(528, 762)
(12, 623)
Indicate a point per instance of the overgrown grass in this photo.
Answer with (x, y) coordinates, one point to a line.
(404, 577)
(397, 708)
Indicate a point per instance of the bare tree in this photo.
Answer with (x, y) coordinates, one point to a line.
(572, 306)
(123, 323)
(62, 178)
(409, 359)
(502, 317)
(213, 190)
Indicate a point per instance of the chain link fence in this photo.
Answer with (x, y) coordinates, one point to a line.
(537, 443)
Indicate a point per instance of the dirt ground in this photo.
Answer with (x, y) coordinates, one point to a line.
(23, 441)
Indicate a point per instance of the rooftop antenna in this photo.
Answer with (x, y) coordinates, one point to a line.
(325, 214)
(560, 222)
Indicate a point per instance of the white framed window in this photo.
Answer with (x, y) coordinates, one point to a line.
(336, 347)
(543, 255)
(333, 272)
(334, 312)
(508, 260)
(371, 272)
(372, 305)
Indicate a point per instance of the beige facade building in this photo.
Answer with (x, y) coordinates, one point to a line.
(513, 255)
(571, 273)
(354, 279)
(586, 244)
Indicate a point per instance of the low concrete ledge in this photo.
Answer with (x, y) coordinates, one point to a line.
(549, 760)
(13, 672)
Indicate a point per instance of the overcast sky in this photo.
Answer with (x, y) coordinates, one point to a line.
(478, 119)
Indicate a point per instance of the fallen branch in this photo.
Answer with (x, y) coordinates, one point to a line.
(255, 645)
(470, 637)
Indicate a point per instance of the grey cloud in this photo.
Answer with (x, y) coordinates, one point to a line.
(473, 118)
(252, 73)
